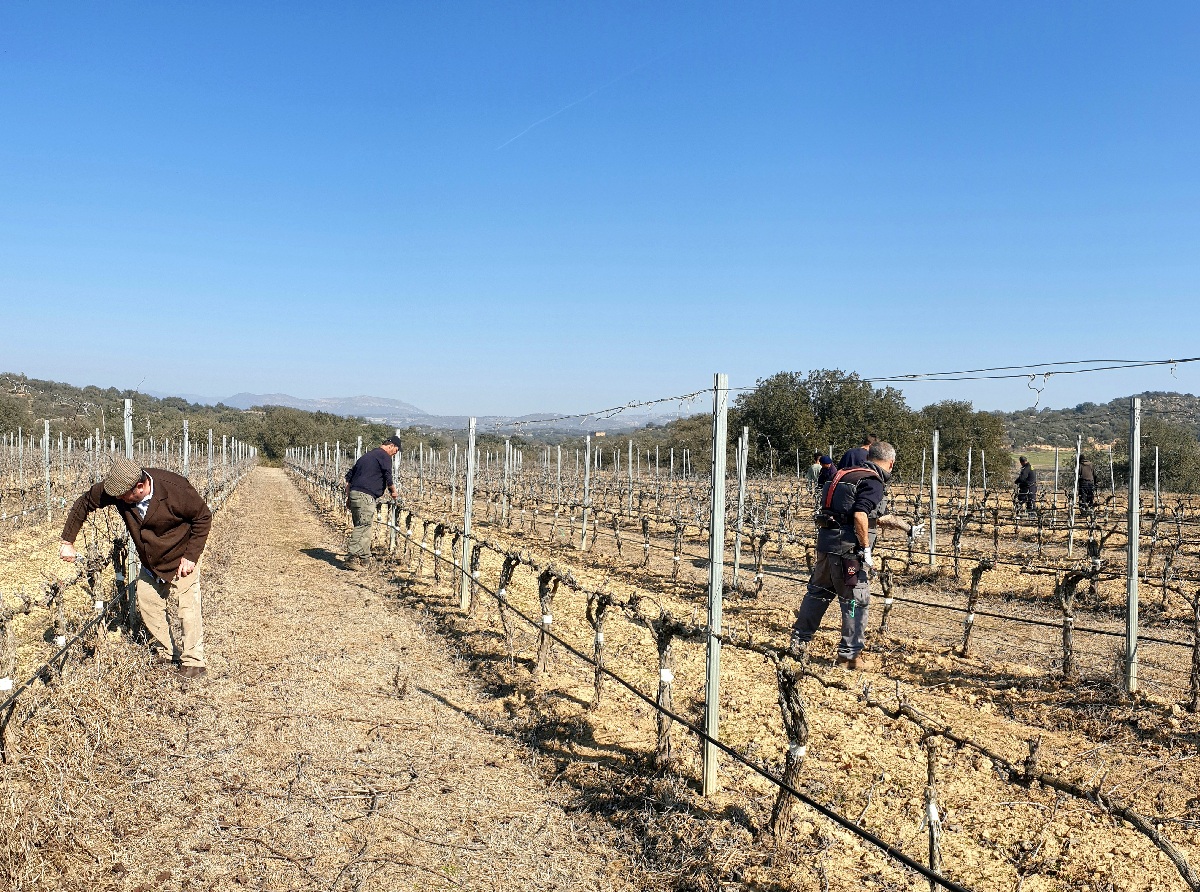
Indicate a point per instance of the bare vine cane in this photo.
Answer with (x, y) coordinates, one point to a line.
(597, 611)
(439, 534)
(1194, 706)
(408, 523)
(645, 539)
(933, 818)
(795, 726)
(1064, 589)
(960, 525)
(677, 556)
(758, 543)
(547, 588)
(425, 524)
(972, 601)
(886, 582)
(665, 628)
(512, 560)
(455, 557)
(56, 602)
(616, 530)
(476, 550)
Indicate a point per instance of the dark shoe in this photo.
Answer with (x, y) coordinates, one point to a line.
(193, 671)
(353, 563)
(844, 661)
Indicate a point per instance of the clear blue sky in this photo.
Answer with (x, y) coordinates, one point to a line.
(560, 206)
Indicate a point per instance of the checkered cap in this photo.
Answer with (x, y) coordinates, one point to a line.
(123, 475)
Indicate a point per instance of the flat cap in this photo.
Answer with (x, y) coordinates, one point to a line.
(123, 475)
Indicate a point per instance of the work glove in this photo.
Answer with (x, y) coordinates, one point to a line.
(917, 530)
(864, 557)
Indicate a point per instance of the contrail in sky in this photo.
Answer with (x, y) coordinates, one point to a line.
(571, 105)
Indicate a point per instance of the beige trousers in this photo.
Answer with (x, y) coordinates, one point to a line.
(153, 596)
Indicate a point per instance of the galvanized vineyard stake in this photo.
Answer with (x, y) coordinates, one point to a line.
(629, 510)
(716, 567)
(967, 494)
(464, 590)
(210, 461)
(187, 450)
(128, 416)
(587, 484)
(46, 463)
(1157, 503)
(1131, 599)
(1074, 498)
(1054, 494)
(933, 509)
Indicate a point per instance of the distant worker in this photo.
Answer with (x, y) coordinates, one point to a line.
(365, 483)
(814, 470)
(853, 507)
(1026, 487)
(1087, 484)
(827, 470)
(857, 457)
(168, 523)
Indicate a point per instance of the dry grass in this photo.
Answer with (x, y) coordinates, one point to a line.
(332, 746)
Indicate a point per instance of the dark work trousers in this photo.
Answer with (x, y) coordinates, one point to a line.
(828, 580)
(1087, 493)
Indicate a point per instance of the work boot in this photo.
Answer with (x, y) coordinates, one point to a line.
(193, 671)
(859, 663)
(353, 563)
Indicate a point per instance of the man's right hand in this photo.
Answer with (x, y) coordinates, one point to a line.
(66, 551)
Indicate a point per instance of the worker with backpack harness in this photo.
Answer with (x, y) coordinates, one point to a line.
(853, 507)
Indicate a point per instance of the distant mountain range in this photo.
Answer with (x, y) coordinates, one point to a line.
(401, 414)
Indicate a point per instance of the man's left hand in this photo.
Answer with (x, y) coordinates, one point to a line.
(185, 568)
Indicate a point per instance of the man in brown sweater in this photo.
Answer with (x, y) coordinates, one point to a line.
(168, 522)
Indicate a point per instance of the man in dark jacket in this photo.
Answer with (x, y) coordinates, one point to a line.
(1026, 487)
(168, 523)
(857, 457)
(827, 471)
(365, 483)
(1087, 484)
(844, 560)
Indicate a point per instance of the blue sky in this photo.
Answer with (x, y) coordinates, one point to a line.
(332, 199)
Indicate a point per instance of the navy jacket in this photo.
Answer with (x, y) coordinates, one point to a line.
(853, 458)
(372, 473)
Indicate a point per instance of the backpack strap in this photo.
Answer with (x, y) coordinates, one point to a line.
(841, 477)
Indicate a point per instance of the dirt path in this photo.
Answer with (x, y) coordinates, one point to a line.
(332, 744)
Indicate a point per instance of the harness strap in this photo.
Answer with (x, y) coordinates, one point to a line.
(841, 476)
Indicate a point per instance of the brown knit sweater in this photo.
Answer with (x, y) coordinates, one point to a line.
(176, 524)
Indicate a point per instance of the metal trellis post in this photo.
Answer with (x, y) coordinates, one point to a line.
(1131, 601)
(716, 567)
(933, 509)
(464, 590)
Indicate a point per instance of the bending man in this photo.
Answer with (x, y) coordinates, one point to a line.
(365, 482)
(854, 506)
(168, 523)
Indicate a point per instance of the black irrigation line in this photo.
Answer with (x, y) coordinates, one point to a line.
(829, 813)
